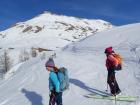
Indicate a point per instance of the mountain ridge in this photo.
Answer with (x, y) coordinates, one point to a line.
(51, 27)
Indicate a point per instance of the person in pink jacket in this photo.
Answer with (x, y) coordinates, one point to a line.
(111, 63)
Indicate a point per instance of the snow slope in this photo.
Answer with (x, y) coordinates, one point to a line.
(50, 31)
(85, 60)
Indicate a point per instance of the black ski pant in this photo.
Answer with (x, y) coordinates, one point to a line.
(55, 98)
(111, 80)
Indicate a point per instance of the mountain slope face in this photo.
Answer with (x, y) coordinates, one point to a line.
(85, 61)
(50, 31)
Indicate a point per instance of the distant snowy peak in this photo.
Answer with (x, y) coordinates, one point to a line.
(66, 21)
(64, 29)
(49, 20)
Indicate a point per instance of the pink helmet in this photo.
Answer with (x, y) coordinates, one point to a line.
(109, 50)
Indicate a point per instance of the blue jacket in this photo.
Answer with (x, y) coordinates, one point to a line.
(54, 83)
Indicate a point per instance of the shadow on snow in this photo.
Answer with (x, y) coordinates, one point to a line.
(87, 88)
(33, 97)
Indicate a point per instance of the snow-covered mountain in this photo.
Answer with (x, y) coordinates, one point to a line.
(85, 61)
(50, 31)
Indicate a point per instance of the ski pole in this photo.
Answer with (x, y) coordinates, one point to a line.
(115, 89)
(107, 84)
(106, 87)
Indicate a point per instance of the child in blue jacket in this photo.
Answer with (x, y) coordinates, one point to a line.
(54, 84)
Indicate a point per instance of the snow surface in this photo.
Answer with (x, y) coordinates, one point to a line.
(85, 61)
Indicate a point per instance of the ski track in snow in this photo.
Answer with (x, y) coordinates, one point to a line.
(24, 77)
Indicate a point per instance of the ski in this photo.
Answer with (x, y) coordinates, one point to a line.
(118, 98)
(124, 96)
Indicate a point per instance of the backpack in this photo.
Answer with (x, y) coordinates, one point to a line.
(119, 58)
(63, 78)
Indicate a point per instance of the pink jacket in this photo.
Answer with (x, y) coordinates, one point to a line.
(111, 61)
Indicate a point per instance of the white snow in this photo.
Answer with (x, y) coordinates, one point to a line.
(12, 71)
(85, 61)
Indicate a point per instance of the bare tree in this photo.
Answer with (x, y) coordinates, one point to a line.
(24, 56)
(5, 61)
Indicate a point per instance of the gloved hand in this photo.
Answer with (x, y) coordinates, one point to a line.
(56, 93)
(53, 93)
(115, 67)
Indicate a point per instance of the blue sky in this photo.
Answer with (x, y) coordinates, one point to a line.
(118, 12)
